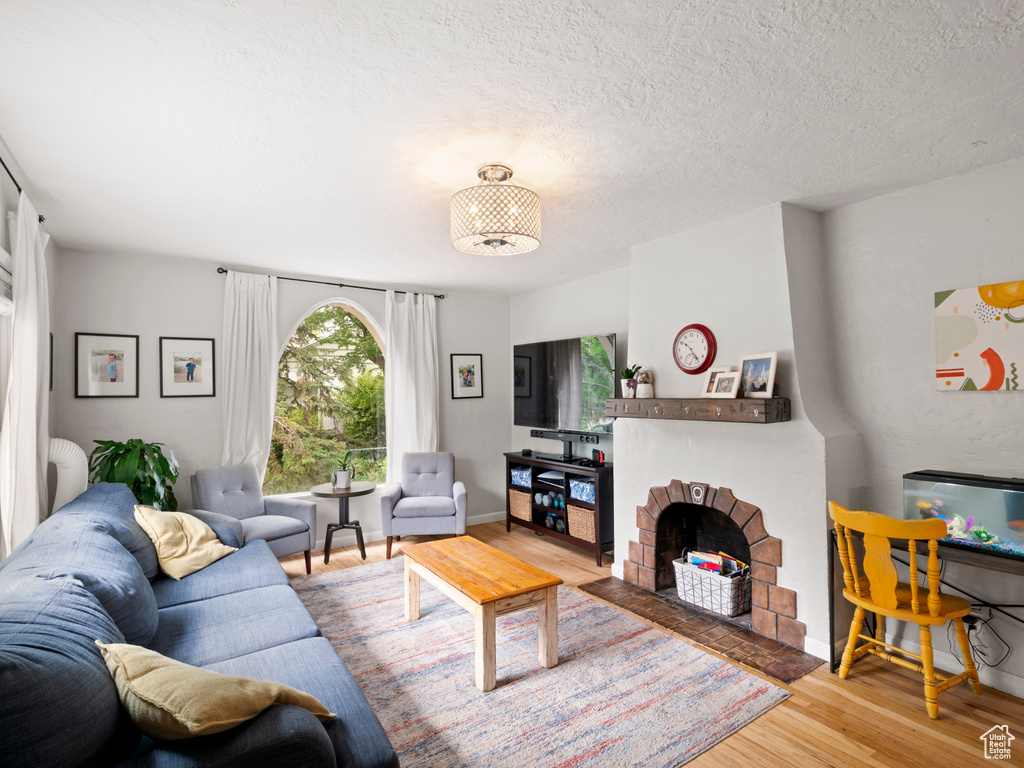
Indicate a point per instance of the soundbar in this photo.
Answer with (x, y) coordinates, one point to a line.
(567, 438)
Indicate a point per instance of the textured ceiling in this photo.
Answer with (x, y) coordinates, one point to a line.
(326, 138)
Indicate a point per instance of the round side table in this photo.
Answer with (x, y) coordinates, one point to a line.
(328, 491)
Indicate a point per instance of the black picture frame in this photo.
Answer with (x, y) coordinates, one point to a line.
(87, 381)
(51, 361)
(171, 388)
(471, 383)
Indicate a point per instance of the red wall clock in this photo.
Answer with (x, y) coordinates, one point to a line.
(694, 348)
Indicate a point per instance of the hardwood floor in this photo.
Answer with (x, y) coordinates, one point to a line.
(874, 718)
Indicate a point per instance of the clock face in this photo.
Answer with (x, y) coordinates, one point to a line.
(694, 348)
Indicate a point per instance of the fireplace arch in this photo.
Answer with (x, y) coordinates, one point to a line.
(773, 611)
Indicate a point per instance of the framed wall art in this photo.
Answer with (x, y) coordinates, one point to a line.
(186, 367)
(467, 376)
(757, 374)
(521, 376)
(979, 338)
(106, 365)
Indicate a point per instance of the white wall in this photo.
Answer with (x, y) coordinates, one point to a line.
(586, 307)
(886, 258)
(733, 277)
(104, 293)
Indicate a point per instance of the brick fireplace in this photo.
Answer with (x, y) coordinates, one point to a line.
(697, 515)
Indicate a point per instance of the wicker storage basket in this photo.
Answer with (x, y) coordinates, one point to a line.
(581, 523)
(519, 505)
(719, 594)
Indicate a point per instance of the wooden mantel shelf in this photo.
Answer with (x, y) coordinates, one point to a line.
(747, 411)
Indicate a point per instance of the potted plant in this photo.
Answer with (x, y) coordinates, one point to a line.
(143, 467)
(343, 471)
(629, 380)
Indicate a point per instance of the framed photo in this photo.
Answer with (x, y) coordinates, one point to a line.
(757, 374)
(467, 376)
(186, 367)
(726, 385)
(711, 379)
(521, 376)
(106, 365)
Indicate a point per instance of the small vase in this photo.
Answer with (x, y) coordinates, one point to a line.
(629, 388)
(341, 478)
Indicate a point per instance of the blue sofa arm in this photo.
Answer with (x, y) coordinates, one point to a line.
(227, 528)
(281, 735)
(300, 509)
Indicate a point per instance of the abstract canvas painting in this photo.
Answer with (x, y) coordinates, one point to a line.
(979, 338)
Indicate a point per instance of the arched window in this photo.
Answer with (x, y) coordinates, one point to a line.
(330, 400)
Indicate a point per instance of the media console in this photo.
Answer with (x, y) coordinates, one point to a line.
(587, 525)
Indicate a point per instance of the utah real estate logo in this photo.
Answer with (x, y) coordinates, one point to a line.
(997, 742)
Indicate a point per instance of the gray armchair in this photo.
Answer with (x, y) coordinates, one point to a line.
(428, 500)
(232, 496)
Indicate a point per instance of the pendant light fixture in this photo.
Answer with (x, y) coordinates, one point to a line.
(495, 218)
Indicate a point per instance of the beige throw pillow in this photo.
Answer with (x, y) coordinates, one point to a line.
(184, 544)
(170, 700)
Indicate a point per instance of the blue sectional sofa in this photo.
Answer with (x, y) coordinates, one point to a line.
(89, 573)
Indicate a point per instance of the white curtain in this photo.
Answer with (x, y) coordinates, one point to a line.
(249, 368)
(25, 431)
(410, 378)
(567, 363)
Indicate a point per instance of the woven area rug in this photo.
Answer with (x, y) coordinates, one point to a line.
(623, 693)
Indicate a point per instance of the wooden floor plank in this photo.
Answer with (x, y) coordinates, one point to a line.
(873, 719)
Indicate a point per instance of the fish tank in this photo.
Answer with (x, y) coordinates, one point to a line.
(980, 512)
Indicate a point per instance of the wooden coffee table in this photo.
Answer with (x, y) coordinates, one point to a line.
(487, 583)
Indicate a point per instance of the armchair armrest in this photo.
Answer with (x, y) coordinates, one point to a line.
(459, 493)
(300, 509)
(388, 499)
(227, 528)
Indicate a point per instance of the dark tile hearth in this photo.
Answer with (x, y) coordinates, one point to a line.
(731, 637)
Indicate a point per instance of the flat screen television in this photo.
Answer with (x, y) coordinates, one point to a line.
(563, 384)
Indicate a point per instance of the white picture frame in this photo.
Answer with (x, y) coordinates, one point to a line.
(726, 385)
(757, 374)
(711, 376)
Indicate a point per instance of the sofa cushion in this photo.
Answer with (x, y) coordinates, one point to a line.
(269, 527)
(78, 548)
(251, 567)
(112, 505)
(206, 631)
(425, 506)
(169, 700)
(184, 543)
(59, 705)
(313, 666)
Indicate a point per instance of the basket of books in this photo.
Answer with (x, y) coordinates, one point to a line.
(715, 582)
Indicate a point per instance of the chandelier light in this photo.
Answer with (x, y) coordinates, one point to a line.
(495, 218)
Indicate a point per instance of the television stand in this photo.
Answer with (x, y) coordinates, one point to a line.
(587, 525)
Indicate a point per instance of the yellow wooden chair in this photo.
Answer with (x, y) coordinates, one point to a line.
(878, 590)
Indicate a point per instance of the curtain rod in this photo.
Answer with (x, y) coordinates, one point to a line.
(17, 186)
(222, 271)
